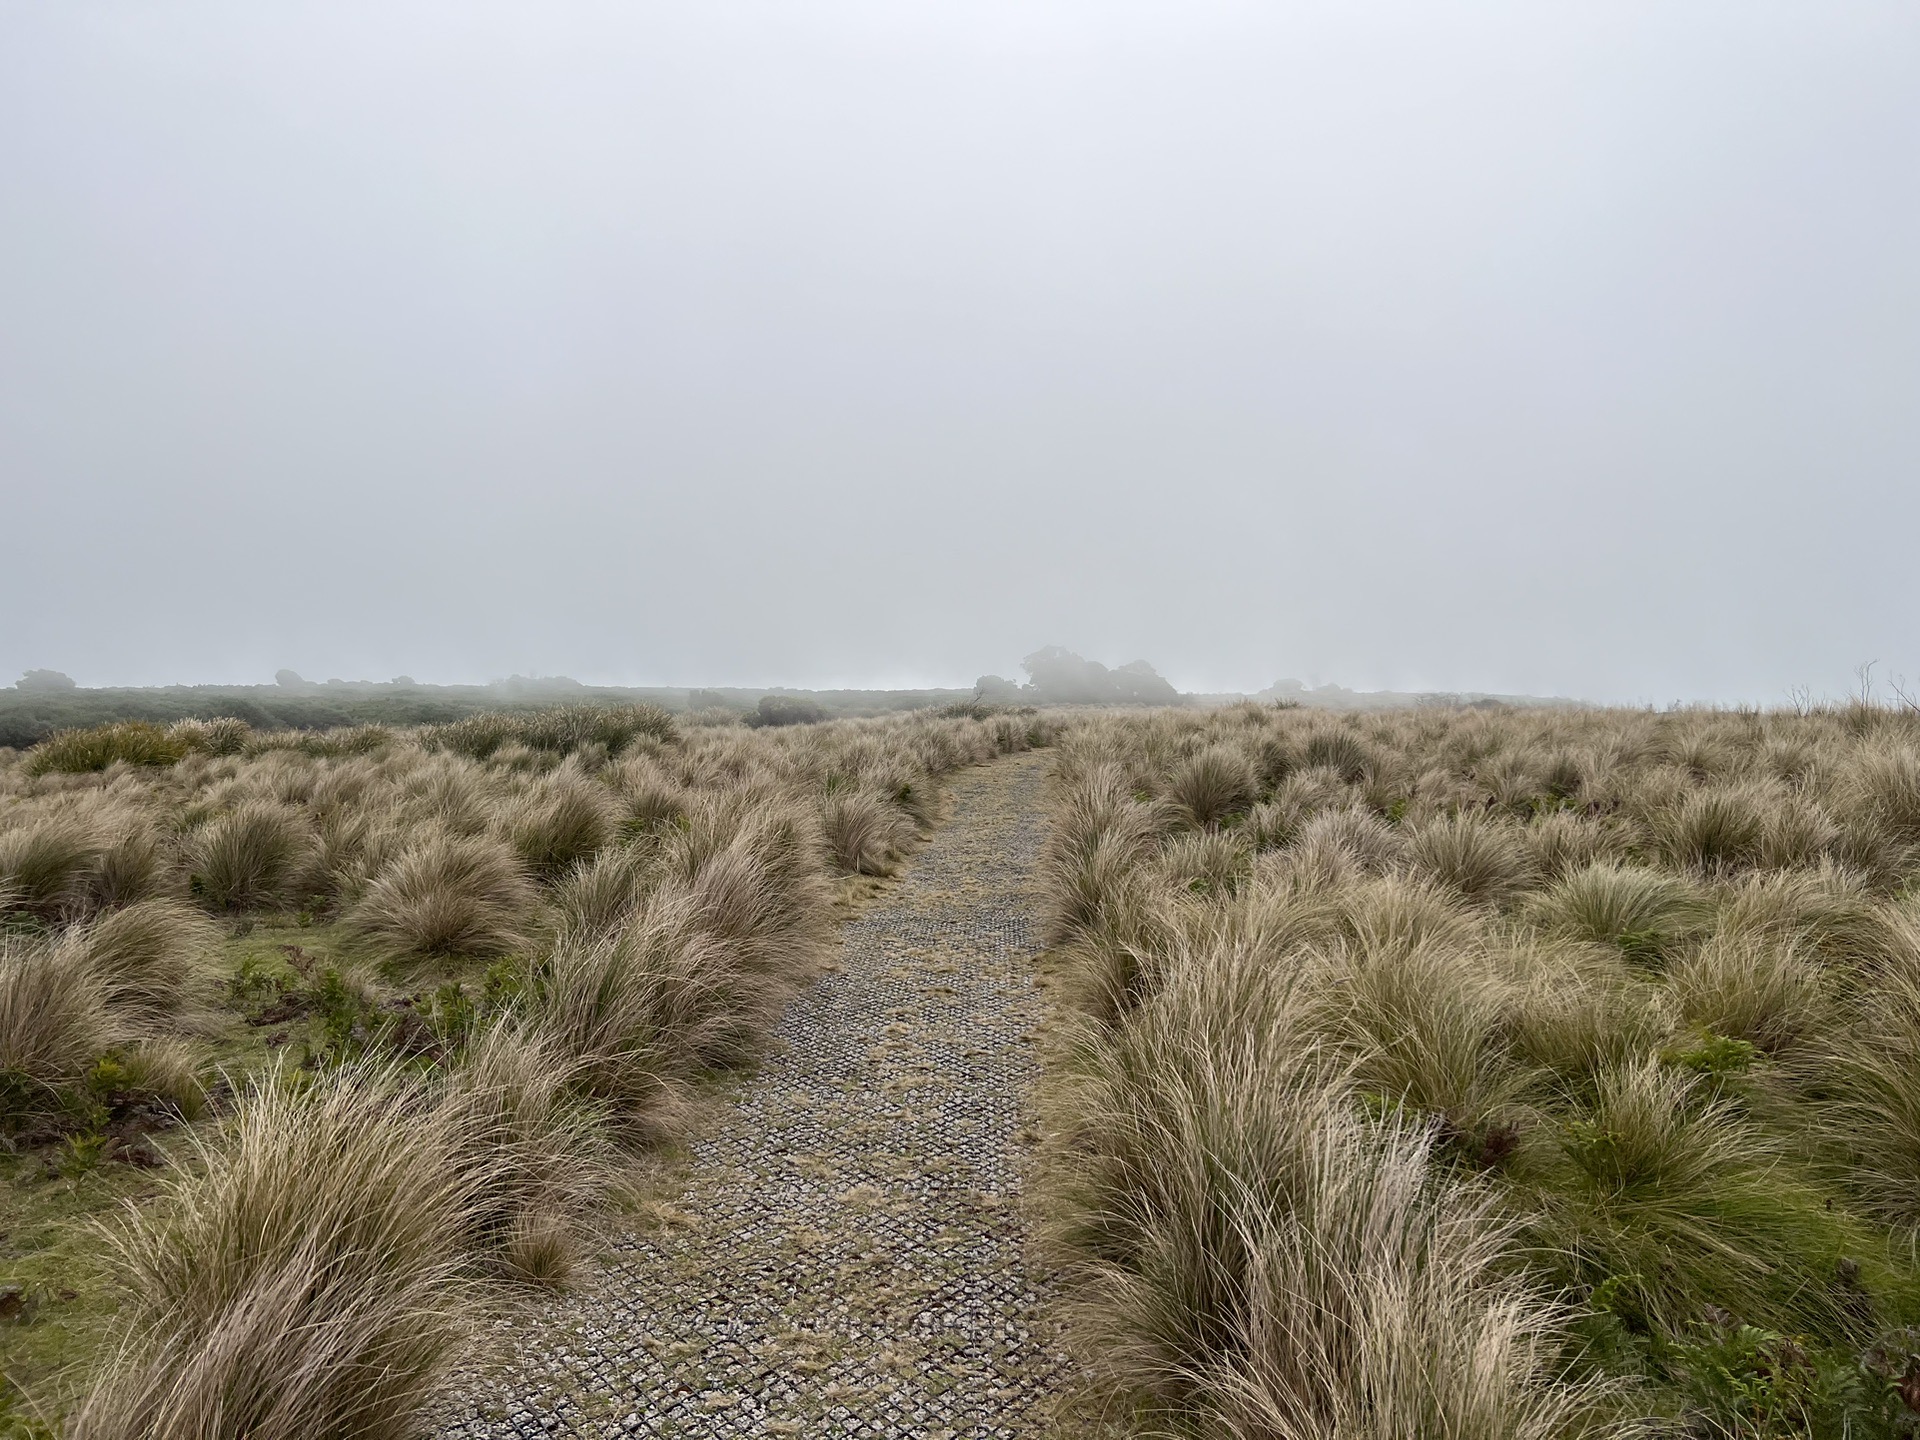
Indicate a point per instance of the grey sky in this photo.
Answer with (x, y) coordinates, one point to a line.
(1566, 348)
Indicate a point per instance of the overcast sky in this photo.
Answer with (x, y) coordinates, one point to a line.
(1558, 348)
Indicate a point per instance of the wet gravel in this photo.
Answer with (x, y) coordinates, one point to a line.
(849, 1256)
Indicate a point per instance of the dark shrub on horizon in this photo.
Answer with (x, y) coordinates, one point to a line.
(785, 710)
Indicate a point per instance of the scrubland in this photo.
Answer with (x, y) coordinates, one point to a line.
(373, 1016)
(1467, 1074)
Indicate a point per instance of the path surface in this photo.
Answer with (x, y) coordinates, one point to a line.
(852, 1258)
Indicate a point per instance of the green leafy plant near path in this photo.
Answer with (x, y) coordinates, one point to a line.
(359, 1021)
(1626, 1005)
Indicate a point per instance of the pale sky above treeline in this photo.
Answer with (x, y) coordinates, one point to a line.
(1554, 349)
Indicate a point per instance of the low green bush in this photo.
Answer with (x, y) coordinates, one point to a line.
(84, 752)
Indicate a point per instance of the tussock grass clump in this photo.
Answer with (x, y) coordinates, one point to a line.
(1100, 833)
(1395, 914)
(1341, 751)
(1644, 912)
(1355, 835)
(1875, 1071)
(1827, 911)
(649, 800)
(54, 1024)
(1880, 785)
(254, 857)
(1425, 1026)
(146, 959)
(131, 866)
(1796, 832)
(447, 895)
(46, 864)
(1562, 841)
(1383, 1304)
(1206, 863)
(602, 894)
(1482, 859)
(1674, 1199)
(322, 744)
(308, 1283)
(1210, 785)
(756, 884)
(636, 1012)
(559, 821)
(1579, 1015)
(864, 833)
(1713, 830)
(222, 735)
(1756, 989)
(1256, 1258)
(1116, 960)
(1273, 824)
(518, 1118)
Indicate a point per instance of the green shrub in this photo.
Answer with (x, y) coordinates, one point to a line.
(777, 710)
(1674, 1189)
(559, 731)
(81, 752)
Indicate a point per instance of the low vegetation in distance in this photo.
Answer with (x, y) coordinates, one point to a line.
(313, 1042)
(43, 702)
(32, 709)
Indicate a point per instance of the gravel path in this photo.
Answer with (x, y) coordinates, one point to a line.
(848, 1256)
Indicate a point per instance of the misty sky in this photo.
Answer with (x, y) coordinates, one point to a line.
(1559, 348)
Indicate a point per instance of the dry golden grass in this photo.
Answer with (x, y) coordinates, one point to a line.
(1464, 1073)
(613, 907)
(447, 895)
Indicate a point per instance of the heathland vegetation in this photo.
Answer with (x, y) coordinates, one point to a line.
(43, 702)
(365, 1020)
(1500, 1074)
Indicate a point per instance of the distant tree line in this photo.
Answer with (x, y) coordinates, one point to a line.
(1057, 676)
